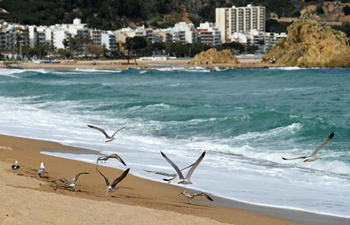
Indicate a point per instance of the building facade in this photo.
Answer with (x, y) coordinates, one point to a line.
(239, 19)
(208, 34)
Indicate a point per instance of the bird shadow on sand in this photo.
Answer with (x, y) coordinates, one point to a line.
(128, 197)
(78, 190)
(128, 188)
(198, 205)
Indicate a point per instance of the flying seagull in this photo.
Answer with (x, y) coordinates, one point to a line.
(108, 138)
(169, 177)
(41, 169)
(113, 187)
(184, 180)
(73, 182)
(15, 166)
(189, 196)
(105, 158)
(313, 156)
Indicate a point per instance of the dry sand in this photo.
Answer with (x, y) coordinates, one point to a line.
(28, 199)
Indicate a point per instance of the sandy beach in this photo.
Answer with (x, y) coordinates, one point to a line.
(122, 64)
(30, 199)
(34, 200)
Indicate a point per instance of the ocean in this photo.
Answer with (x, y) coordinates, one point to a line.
(245, 119)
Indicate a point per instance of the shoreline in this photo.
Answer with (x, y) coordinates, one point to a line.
(136, 191)
(122, 64)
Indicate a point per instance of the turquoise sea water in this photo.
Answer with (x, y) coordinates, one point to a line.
(246, 120)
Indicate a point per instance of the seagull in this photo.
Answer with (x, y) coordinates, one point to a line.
(113, 187)
(105, 158)
(313, 156)
(41, 169)
(108, 138)
(15, 166)
(184, 180)
(189, 196)
(169, 177)
(73, 182)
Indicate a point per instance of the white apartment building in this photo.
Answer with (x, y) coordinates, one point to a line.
(272, 39)
(57, 38)
(108, 40)
(239, 19)
(55, 34)
(208, 34)
(127, 32)
(8, 36)
(164, 34)
(96, 37)
(185, 33)
(120, 36)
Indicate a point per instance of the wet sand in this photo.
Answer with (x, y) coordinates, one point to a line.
(30, 199)
(122, 64)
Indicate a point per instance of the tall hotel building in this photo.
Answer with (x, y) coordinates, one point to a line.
(239, 19)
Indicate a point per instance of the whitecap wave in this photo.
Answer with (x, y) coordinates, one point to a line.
(287, 68)
(190, 69)
(97, 70)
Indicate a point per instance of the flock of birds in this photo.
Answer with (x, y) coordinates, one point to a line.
(169, 177)
(111, 187)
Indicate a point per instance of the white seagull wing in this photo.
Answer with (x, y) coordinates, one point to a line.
(189, 174)
(323, 144)
(178, 171)
(117, 131)
(77, 176)
(100, 129)
(187, 167)
(204, 195)
(116, 157)
(161, 173)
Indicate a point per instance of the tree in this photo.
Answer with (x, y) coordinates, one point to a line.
(65, 43)
(134, 44)
(95, 49)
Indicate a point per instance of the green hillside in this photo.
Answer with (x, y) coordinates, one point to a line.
(114, 14)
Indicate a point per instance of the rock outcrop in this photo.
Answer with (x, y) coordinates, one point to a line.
(310, 45)
(212, 57)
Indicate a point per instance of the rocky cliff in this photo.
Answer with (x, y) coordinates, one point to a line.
(212, 56)
(310, 45)
(327, 12)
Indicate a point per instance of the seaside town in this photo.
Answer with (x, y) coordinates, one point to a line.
(237, 39)
(243, 25)
(206, 112)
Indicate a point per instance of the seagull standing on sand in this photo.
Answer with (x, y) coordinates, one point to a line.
(15, 166)
(184, 180)
(113, 187)
(108, 138)
(105, 158)
(41, 169)
(313, 156)
(189, 196)
(169, 177)
(73, 182)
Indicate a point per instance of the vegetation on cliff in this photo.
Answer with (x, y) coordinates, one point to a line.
(114, 14)
(310, 45)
